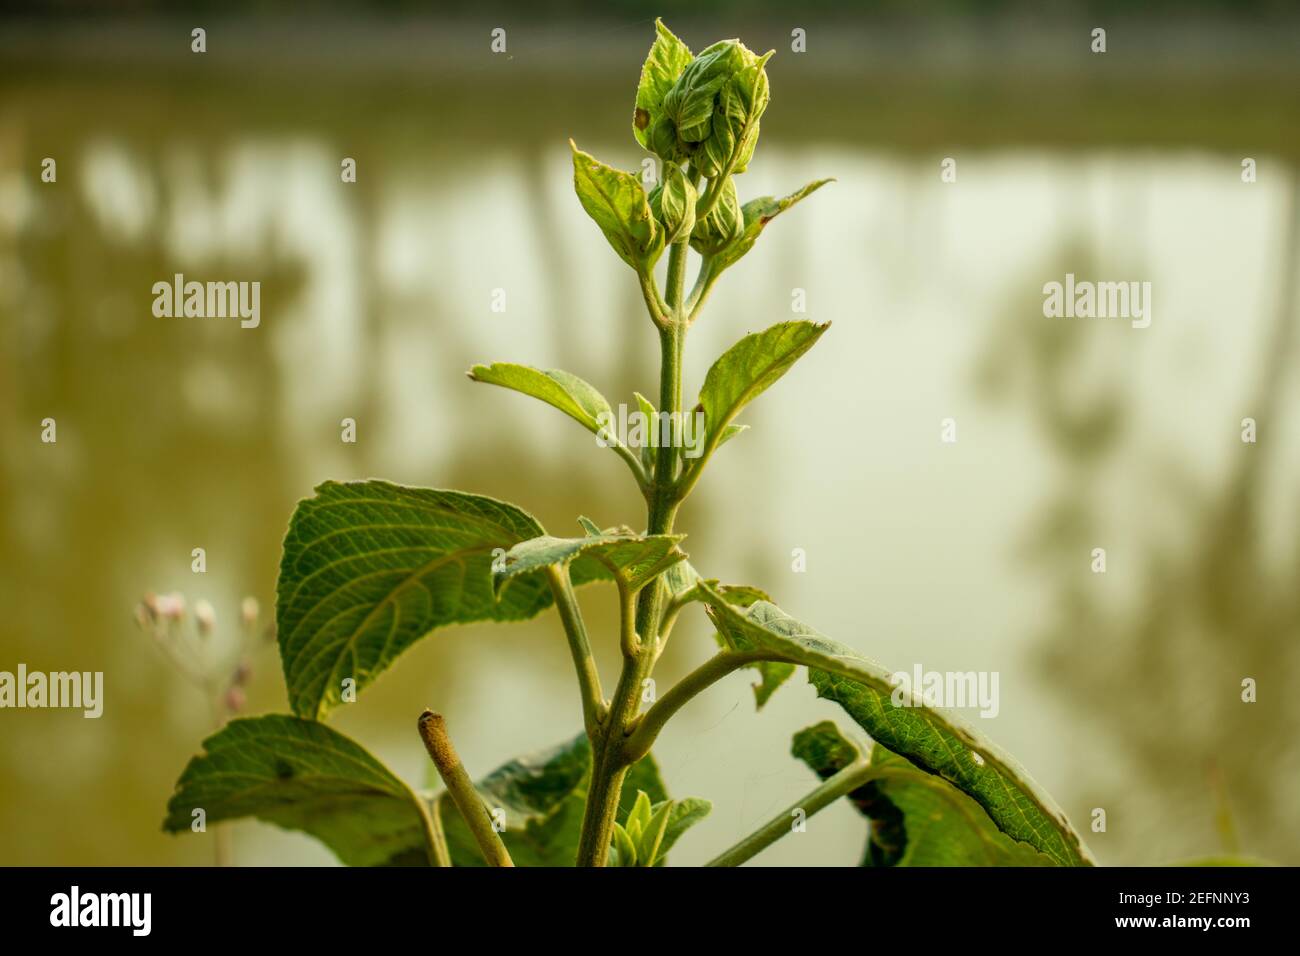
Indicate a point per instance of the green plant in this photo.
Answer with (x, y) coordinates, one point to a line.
(370, 567)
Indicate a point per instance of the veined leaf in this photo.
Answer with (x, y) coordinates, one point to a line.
(564, 391)
(302, 775)
(543, 797)
(757, 213)
(917, 818)
(771, 674)
(747, 369)
(667, 59)
(618, 204)
(631, 559)
(934, 740)
(370, 567)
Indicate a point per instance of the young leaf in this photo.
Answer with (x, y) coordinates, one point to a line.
(673, 204)
(564, 391)
(652, 832)
(624, 848)
(668, 57)
(756, 214)
(917, 818)
(740, 105)
(618, 204)
(370, 567)
(543, 797)
(723, 226)
(937, 742)
(301, 775)
(640, 815)
(647, 409)
(692, 100)
(631, 559)
(747, 369)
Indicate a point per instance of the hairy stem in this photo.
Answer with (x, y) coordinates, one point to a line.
(566, 602)
(609, 757)
(433, 731)
(703, 677)
(609, 766)
(832, 788)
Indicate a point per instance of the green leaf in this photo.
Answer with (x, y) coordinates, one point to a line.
(618, 204)
(723, 226)
(632, 560)
(691, 101)
(936, 741)
(735, 127)
(755, 215)
(543, 797)
(301, 775)
(624, 849)
(917, 818)
(371, 567)
(771, 674)
(668, 57)
(590, 527)
(746, 370)
(640, 815)
(673, 204)
(564, 391)
(652, 833)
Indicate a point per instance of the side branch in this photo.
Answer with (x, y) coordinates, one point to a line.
(433, 731)
(646, 729)
(846, 781)
(566, 602)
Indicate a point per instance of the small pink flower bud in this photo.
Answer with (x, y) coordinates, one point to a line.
(235, 700)
(170, 606)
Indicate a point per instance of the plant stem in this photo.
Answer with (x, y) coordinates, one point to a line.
(832, 788)
(705, 676)
(609, 766)
(609, 758)
(433, 730)
(566, 602)
(434, 837)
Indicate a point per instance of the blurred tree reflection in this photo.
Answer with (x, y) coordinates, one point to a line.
(1159, 677)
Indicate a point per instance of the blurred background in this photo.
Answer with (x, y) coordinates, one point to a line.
(1119, 690)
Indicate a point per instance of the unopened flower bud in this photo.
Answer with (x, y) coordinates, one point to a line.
(710, 115)
(673, 204)
(235, 700)
(722, 226)
(205, 617)
(170, 606)
(243, 673)
(248, 611)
